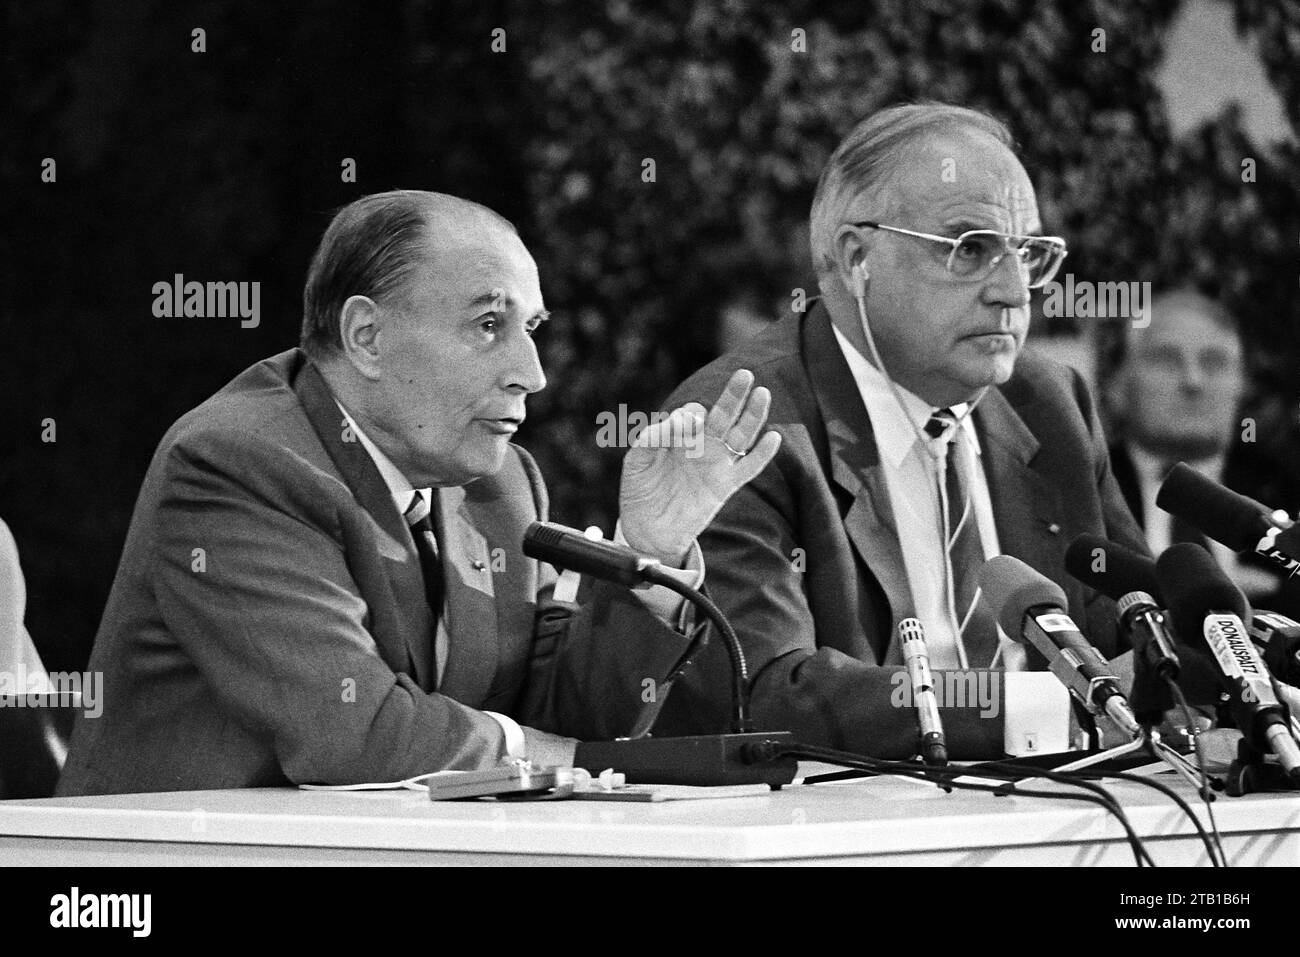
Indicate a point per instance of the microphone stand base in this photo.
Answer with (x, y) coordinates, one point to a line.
(1150, 742)
(1250, 773)
(707, 760)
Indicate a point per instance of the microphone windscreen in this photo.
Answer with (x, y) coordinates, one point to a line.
(1111, 568)
(568, 549)
(1231, 519)
(1194, 586)
(1010, 588)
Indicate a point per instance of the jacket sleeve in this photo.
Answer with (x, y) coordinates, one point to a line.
(596, 661)
(251, 573)
(819, 693)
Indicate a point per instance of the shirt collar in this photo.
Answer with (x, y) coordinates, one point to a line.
(398, 485)
(895, 436)
(1151, 468)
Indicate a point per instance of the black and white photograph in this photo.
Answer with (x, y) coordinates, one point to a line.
(700, 433)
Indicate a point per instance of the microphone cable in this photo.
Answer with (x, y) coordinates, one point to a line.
(1195, 735)
(938, 464)
(1099, 795)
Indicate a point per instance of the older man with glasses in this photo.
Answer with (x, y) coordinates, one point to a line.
(918, 440)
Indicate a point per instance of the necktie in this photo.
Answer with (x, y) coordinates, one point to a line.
(978, 631)
(1181, 530)
(426, 544)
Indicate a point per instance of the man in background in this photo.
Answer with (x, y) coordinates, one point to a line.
(1174, 393)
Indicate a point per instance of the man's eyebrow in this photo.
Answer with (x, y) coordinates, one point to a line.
(960, 226)
(496, 295)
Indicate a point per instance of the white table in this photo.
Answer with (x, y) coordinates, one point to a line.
(876, 821)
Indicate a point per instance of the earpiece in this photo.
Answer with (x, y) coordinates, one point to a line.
(860, 279)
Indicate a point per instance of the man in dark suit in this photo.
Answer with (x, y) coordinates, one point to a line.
(1174, 389)
(918, 440)
(323, 580)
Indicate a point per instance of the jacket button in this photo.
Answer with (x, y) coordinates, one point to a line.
(478, 565)
(1054, 529)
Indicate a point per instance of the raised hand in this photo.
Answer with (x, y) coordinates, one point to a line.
(683, 468)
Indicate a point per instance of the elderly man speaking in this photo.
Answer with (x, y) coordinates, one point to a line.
(323, 579)
(918, 441)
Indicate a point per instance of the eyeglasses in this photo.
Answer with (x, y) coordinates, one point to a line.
(977, 252)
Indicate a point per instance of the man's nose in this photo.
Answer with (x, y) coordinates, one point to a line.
(1008, 285)
(523, 371)
(1193, 376)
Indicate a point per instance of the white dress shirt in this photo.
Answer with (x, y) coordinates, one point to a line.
(1158, 524)
(913, 470)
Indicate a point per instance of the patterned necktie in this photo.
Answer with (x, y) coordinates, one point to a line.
(417, 516)
(978, 632)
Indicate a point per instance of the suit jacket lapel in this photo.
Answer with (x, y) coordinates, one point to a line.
(856, 468)
(470, 615)
(408, 646)
(1125, 472)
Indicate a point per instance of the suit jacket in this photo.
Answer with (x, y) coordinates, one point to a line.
(268, 622)
(806, 560)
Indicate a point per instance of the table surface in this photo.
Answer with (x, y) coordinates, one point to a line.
(863, 820)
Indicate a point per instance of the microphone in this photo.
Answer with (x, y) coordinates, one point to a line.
(1129, 578)
(1031, 609)
(1278, 639)
(1204, 602)
(705, 760)
(916, 658)
(568, 548)
(1239, 522)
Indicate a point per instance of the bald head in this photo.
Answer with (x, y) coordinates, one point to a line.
(374, 246)
(861, 171)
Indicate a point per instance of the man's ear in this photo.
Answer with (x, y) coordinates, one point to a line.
(361, 322)
(850, 248)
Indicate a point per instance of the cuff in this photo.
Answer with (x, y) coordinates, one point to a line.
(516, 747)
(1037, 713)
(664, 603)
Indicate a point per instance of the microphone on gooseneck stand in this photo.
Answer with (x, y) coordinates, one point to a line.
(740, 757)
(1209, 614)
(916, 658)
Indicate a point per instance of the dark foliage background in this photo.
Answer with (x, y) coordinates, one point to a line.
(225, 165)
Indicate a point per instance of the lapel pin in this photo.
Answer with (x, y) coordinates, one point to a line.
(477, 565)
(1054, 529)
